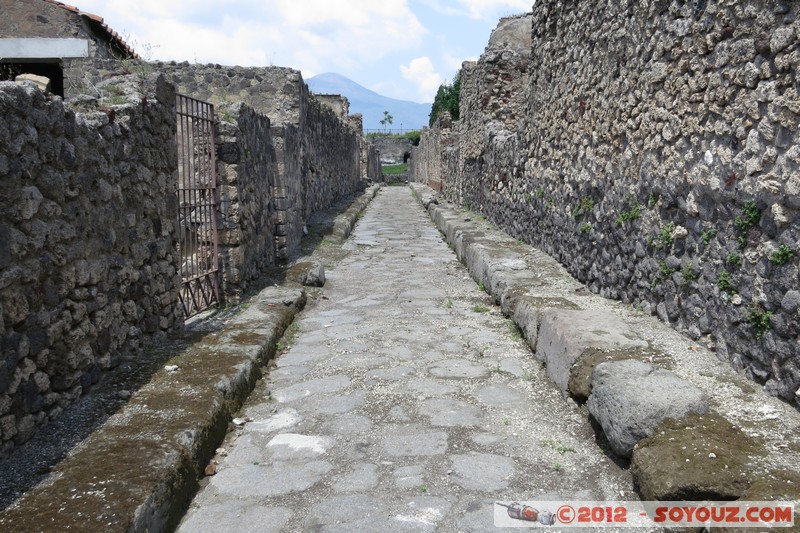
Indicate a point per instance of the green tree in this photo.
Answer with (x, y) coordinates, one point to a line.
(447, 99)
(386, 120)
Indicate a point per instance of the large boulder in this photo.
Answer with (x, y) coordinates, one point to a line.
(630, 398)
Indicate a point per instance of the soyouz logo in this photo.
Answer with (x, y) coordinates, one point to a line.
(644, 514)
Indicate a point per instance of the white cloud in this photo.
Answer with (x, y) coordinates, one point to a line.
(483, 9)
(453, 63)
(304, 34)
(421, 72)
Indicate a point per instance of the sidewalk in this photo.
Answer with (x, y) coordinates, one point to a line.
(405, 402)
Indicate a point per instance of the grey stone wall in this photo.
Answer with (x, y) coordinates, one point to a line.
(88, 271)
(393, 150)
(318, 155)
(246, 169)
(656, 156)
(437, 156)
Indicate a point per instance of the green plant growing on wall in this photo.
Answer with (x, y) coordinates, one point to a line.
(734, 260)
(688, 274)
(708, 234)
(664, 238)
(782, 255)
(631, 214)
(586, 227)
(652, 200)
(749, 218)
(725, 283)
(583, 208)
(664, 273)
(758, 318)
(539, 193)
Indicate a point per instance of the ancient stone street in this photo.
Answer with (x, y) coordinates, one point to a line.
(405, 402)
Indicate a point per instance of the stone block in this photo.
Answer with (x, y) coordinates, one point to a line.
(630, 398)
(309, 273)
(580, 375)
(565, 334)
(41, 82)
(699, 457)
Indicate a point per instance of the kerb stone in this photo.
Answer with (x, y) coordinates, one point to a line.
(565, 334)
(630, 398)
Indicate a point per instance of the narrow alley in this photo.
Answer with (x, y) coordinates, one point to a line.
(405, 401)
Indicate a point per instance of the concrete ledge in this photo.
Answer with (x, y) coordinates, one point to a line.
(140, 469)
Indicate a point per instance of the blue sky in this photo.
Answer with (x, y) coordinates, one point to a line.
(399, 48)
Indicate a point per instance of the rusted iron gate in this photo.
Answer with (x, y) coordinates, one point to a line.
(198, 203)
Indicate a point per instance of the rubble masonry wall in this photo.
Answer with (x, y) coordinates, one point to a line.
(88, 269)
(656, 156)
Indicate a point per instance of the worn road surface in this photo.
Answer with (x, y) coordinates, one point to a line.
(406, 402)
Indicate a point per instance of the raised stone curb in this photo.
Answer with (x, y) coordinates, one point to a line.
(720, 456)
(630, 398)
(343, 224)
(565, 335)
(543, 300)
(139, 470)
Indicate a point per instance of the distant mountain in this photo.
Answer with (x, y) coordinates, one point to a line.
(370, 104)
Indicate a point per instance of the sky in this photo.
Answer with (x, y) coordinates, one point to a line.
(402, 49)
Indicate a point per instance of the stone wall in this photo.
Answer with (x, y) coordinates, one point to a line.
(320, 154)
(88, 263)
(88, 271)
(317, 154)
(393, 150)
(657, 158)
(247, 173)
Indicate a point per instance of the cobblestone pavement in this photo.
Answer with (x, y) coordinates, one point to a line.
(406, 401)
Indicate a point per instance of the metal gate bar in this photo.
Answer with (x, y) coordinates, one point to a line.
(198, 203)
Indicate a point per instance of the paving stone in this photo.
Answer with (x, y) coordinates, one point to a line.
(408, 477)
(457, 368)
(415, 443)
(362, 477)
(502, 397)
(310, 388)
(331, 405)
(292, 446)
(483, 471)
(273, 479)
(347, 424)
(450, 413)
(239, 516)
